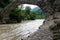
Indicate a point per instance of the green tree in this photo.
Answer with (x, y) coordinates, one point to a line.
(27, 12)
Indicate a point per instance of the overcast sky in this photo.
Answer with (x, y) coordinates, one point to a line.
(31, 6)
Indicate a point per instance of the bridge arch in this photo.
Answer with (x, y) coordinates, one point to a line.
(48, 7)
(41, 3)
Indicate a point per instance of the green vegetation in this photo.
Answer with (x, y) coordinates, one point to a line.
(19, 14)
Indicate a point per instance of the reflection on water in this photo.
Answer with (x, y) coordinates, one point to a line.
(25, 29)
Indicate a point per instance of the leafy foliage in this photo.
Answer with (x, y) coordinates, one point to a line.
(19, 14)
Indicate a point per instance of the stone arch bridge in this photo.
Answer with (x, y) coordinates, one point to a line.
(52, 14)
(42, 3)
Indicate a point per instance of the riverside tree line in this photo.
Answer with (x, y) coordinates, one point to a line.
(17, 14)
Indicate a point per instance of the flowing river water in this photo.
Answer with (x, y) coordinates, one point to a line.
(23, 30)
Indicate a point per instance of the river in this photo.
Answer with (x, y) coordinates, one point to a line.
(24, 30)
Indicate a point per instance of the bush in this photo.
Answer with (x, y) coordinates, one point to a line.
(14, 15)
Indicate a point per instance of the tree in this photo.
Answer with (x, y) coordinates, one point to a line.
(16, 14)
(27, 12)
